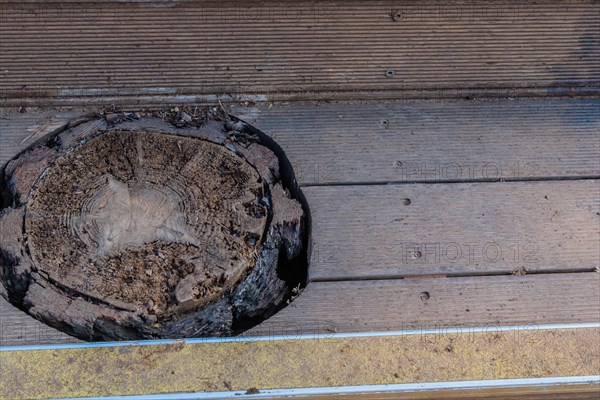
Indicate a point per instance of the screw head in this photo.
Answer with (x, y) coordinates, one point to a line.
(396, 15)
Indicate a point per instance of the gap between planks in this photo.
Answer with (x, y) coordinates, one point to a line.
(491, 180)
(454, 275)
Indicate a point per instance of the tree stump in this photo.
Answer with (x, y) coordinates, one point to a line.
(134, 226)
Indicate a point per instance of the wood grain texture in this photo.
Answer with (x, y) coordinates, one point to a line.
(438, 303)
(330, 143)
(386, 231)
(324, 308)
(18, 328)
(20, 130)
(263, 50)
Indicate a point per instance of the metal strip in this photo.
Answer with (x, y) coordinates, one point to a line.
(209, 368)
(237, 339)
(408, 387)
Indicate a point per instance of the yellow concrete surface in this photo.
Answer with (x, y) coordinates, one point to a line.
(268, 364)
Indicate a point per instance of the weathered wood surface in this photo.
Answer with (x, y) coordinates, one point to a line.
(20, 130)
(332, 143)
(401, 304)
(458, 228)
(559, 135)
(18, 328)
(401, 141)
(389, 231)
(182, 51)
(438, 303)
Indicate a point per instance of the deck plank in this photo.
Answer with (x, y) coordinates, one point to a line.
(184, 51)
(421, 141)
(453, 229)
(384, 305)
(17, 328)
(491, 301)
(20, 130)
(435, 141)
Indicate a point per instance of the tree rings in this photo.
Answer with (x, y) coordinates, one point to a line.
(132, 226)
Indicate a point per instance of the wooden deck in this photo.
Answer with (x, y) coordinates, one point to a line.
(449, 152)
(459, 213)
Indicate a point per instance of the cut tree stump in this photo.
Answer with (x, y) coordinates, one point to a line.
(163, 225)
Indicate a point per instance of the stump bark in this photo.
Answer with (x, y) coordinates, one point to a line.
(133, 226)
